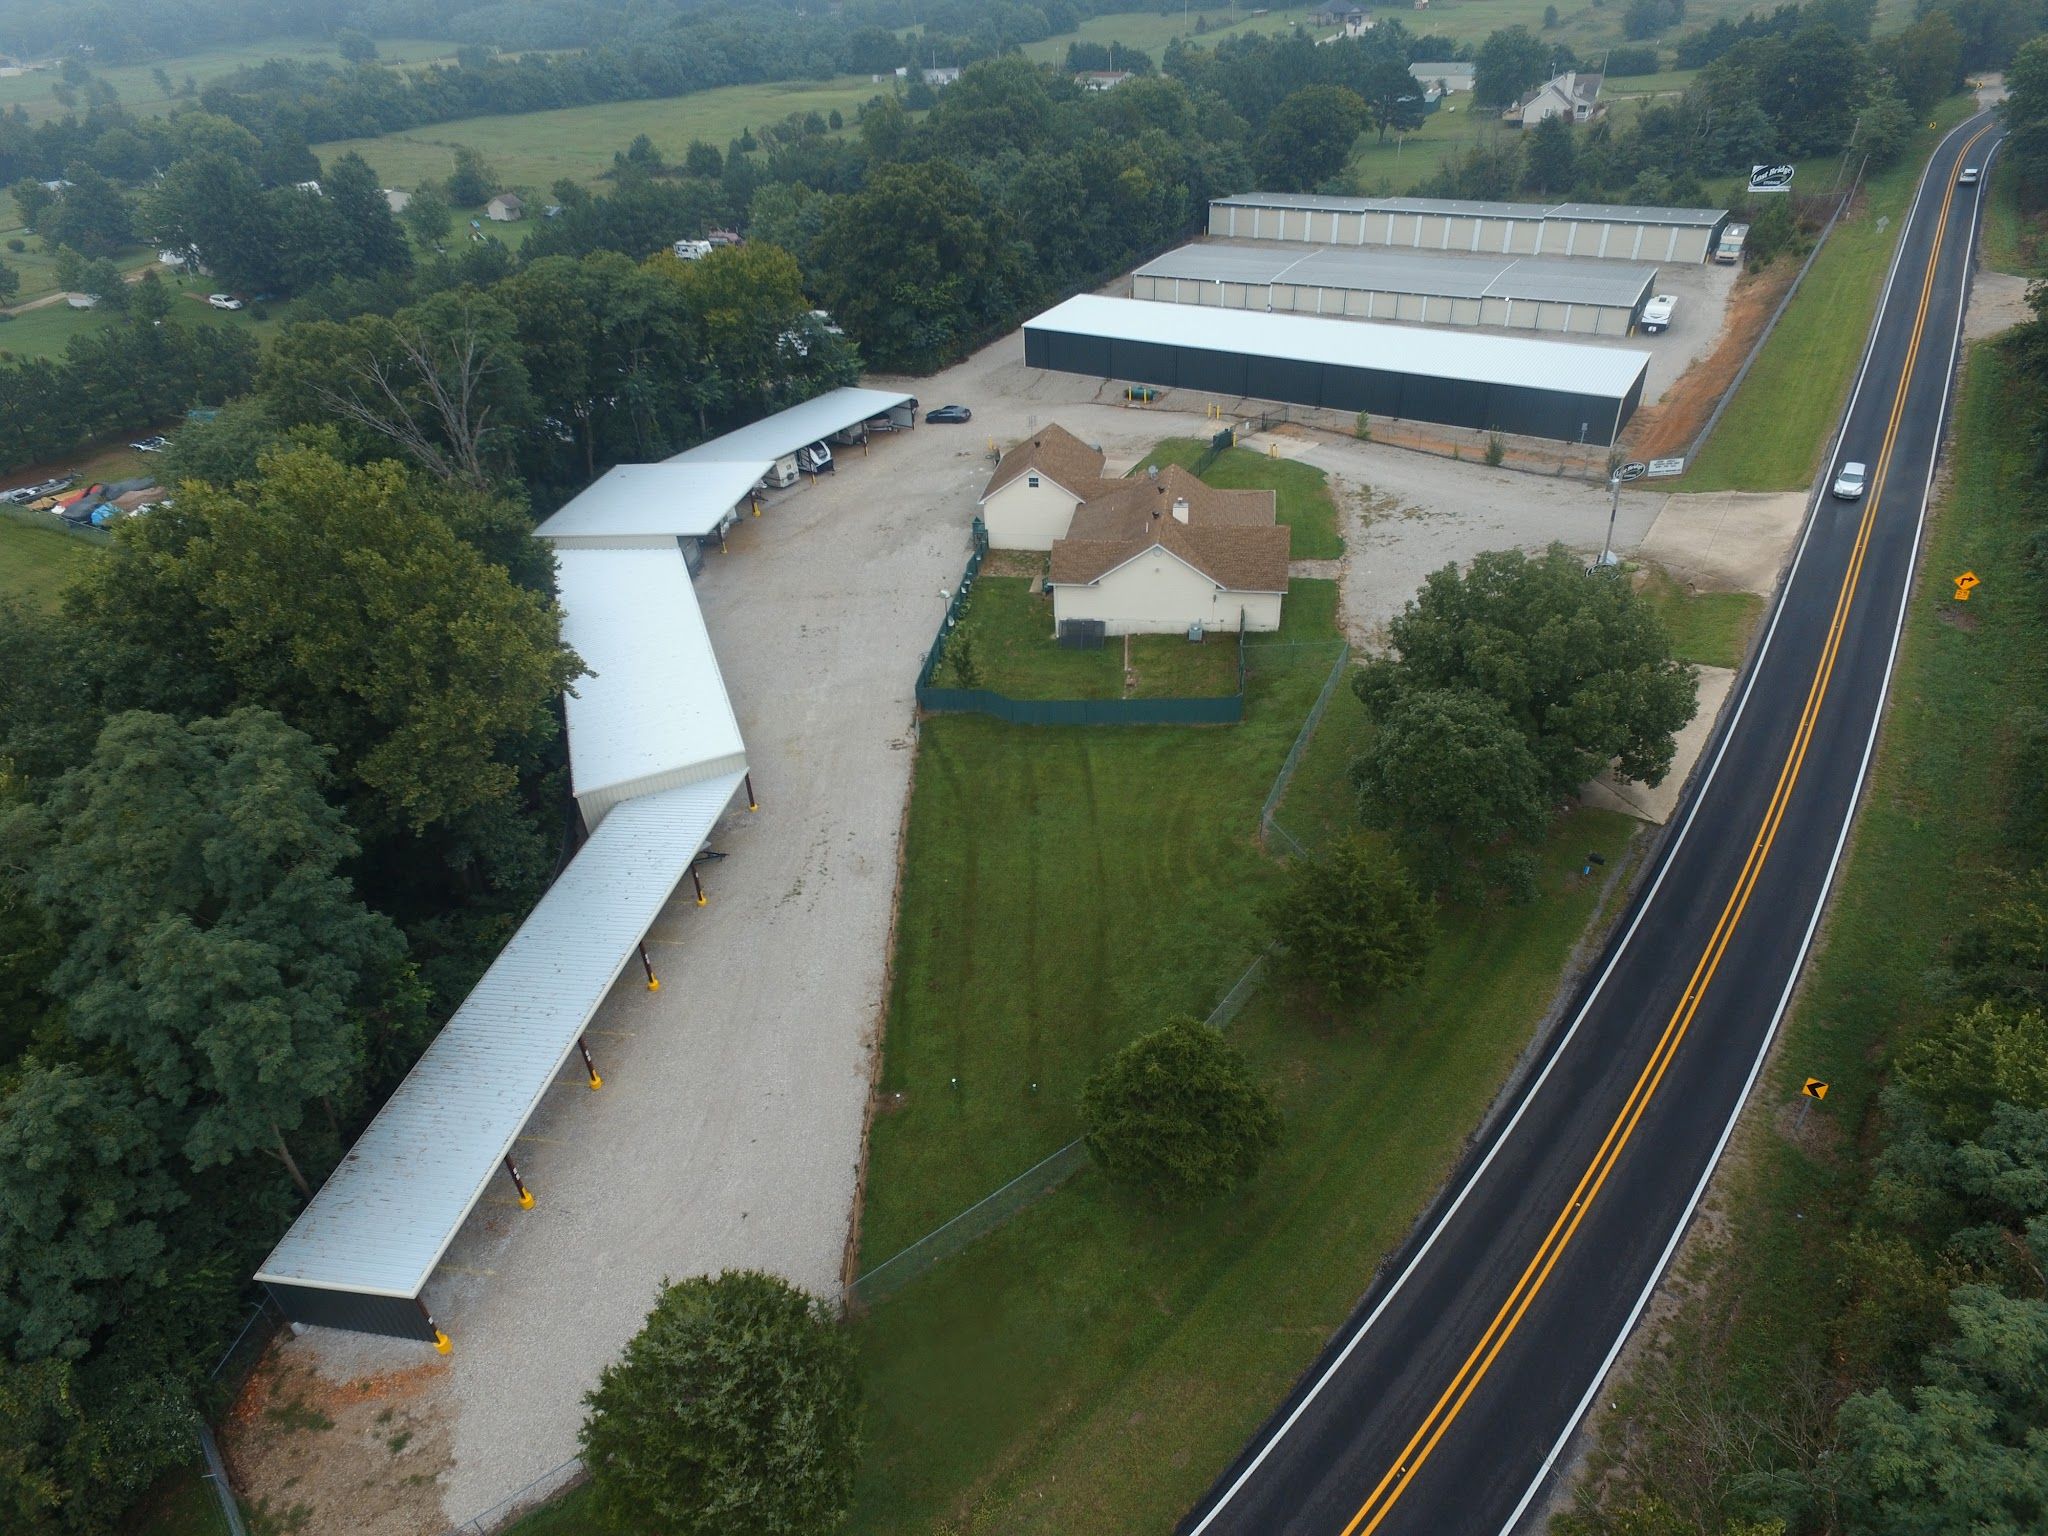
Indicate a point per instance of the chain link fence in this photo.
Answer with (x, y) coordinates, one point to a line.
(1269, 825)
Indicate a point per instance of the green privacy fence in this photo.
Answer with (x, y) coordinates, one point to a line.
(1225, 709)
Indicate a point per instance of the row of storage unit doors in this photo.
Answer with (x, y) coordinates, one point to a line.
(1369, 304)
(1482, 233)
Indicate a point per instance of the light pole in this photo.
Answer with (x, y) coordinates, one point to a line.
(1618, 472)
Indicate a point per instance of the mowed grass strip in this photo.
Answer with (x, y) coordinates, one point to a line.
(1928, 854)
(1301, 491)
(1708, 629)
(1064, 889)
(1772, 435)
(37, 564)
(1091, 1366)
(1008, 624)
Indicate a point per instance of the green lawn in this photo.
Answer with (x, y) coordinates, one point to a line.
(140, 93)
(1709, 629)
(1009, 623)
(1301, 491)
(1928, 852)
(2012, 240)
(532, 150)
(44, 332)
(36, 564)
(1771, 437)
(1150, 31)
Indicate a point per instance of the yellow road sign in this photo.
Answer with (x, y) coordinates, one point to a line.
(1815, 1088)
(1964, 583)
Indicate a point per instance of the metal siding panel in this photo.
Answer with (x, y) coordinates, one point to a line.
(397, 1317)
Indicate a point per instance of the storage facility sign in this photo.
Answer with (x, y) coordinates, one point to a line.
(1660, 468)
(1770, 178)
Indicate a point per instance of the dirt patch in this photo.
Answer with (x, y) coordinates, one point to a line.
(1958, 618)
(1998, 302)
(1013, 562)
(1666, 429)
(363, 1456)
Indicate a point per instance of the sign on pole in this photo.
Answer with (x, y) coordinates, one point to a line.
(1815, 1088)
(1770, 178)
(1661, 468)
(1631, 471)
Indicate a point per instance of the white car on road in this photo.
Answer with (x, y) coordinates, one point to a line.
(1850, 482)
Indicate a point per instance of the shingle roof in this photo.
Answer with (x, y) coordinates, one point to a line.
(1055, 452)
(1237, 559)
(1129, 508)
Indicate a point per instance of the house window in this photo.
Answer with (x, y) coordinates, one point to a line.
(1032, 481)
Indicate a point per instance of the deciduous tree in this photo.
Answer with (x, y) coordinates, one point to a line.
(1309, 137)
(1349, 923)
(1177, 1115)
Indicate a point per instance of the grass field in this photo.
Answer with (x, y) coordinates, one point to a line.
(36, 564)
(1772, 435)
(1927, 853)
(1009, 624)
(2013, 241)
(1709, 629)
(1150, 31)
(44, 332)
(532, 150)
(1301, 491)
(140, 93)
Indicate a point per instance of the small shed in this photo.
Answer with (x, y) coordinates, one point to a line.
(505, 207)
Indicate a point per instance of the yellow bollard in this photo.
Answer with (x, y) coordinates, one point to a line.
(442, 1343)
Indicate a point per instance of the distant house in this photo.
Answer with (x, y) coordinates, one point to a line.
(1346, 16)
(725, 237)
(58, 185)
(1101, 79)
(1164, 553)
(505, 208)
(396, 200)
(1037, 487)
(1449, 75)
(1572, 96)
(938, 79)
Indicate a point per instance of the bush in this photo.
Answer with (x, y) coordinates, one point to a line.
(1176, 1113)
(17, 245)
(1350, 924)
(735, 1411)
(1496, 450)
(1633, 61)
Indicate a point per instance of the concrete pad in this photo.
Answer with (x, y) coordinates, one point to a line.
(1655, 804)
(1727, 541)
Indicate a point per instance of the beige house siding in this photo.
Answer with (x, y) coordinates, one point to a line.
(1021, 515)
(1155, 594)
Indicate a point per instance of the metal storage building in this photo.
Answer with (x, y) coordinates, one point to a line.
(1536, 293)
(1557, 389)
(1608, 231)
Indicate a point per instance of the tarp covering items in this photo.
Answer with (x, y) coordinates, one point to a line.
(387, 1214)
(1557, 389)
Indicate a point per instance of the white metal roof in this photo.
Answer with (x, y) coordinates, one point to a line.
(798, 427)
(1475, 357)
(386, 1215)
(1609, 213)
(656, 707)
(1384, 269)
(637, 499)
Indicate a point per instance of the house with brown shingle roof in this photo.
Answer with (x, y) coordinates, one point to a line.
(1165, 552)
(1037, 487)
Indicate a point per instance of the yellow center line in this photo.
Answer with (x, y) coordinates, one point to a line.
(1454, 1397)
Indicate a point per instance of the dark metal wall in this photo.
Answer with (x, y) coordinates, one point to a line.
(399, 1317)
(1557, 413)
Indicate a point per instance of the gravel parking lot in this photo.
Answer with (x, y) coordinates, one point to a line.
(728, 1132)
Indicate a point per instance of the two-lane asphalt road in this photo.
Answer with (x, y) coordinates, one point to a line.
(1442, 1406)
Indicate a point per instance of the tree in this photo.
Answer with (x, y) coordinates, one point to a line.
(734, 1411)
(92, 217)
(1446, 767)
(212, 208)
(1510, 62)
(472, 182)
(10, 283)
(1309, 137)
(215, 947)
(426, 215)
(2026, 115)
(1393, 97)
(1885, 127)
(343, 598)
(103, 280)
(81, 1187)
(1581, 664)
(223, 451)
(369, 238)
(1550, 155)
(1350, 924)
(1177, 1115)
(354, 46)
(702, 159)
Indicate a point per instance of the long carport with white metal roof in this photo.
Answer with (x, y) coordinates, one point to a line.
(816, 420)
(655, 758)
(1603, 231)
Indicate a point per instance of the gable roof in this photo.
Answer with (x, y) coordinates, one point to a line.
(1130, 509)
(1055, 452)
(1236, 559)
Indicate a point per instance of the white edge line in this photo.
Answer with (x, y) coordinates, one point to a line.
(1819, 906)
(1649, 897)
